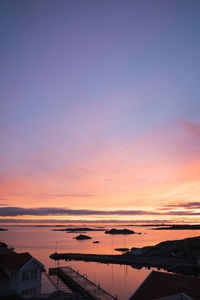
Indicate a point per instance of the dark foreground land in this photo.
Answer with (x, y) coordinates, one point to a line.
(178, 256)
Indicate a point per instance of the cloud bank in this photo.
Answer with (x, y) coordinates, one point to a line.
(52, 211)
(56, 221)
(191, 205)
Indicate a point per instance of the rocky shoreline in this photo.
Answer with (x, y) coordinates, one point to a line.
(188, 248)
(179, 256)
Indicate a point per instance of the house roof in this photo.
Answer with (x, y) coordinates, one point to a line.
(159, 284)
(15, 261)
(181, 296)
(6, 251)
(3, 274)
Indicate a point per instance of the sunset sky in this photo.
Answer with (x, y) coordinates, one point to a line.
(100, 110)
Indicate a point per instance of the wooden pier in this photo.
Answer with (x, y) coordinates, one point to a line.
(80, 284)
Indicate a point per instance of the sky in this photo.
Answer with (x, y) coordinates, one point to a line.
(99, 111)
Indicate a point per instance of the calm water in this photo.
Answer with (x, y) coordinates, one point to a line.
(118, 280)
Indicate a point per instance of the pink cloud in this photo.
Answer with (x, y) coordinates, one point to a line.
(191, 127)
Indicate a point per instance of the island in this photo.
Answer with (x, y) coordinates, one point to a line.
(119, 231)
(82, 237)
(79, 229)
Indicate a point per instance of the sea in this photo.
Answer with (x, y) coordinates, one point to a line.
(118, 280)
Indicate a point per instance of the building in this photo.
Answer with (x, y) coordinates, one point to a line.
(21, 273)
(181, 296)
(165, 286)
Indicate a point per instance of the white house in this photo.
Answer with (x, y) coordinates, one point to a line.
(20, 272)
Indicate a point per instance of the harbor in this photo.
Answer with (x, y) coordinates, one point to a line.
(79, 284)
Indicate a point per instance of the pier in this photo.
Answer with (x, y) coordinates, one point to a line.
(80, 284)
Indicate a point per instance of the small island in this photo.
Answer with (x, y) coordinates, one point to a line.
(82, 237)
(119, 231)
(3, 229)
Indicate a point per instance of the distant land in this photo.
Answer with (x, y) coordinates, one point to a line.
(179, 227)
(79, 229)
(119, 231)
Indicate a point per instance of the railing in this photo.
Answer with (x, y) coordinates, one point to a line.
(90, 287)
(52, 282)
(98, 287)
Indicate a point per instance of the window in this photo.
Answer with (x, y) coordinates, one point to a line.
(29, 274)
(31, 291)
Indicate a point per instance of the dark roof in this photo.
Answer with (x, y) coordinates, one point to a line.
(3, 274)
(195, 294)
(159, 284)
(6, 251)
(15, 261)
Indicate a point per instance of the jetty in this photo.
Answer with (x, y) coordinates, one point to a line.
(178, 265)
(80, 284)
